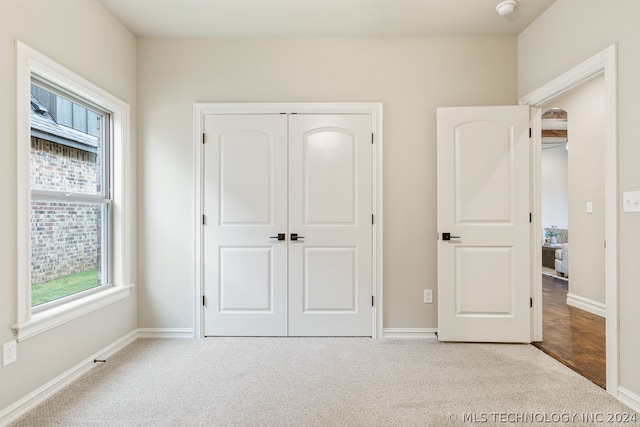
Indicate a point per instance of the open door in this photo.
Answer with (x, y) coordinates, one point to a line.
(483, 224)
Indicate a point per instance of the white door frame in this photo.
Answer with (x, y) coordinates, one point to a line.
(200, 110)
(602, 64)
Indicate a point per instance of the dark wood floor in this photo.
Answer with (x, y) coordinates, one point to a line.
(572, 336)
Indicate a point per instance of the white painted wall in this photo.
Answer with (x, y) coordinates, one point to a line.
(84, 37)
(566, 34)
(410, 76)
(554, 186)
(585, 111)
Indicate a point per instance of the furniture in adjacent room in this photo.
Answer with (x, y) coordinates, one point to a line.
(562, 260)
(549, 255)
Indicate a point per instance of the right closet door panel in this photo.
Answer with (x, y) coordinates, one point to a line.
(330, 205)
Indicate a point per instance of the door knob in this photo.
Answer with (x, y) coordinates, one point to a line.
(294, 237)
(280, 236)
(448, 236)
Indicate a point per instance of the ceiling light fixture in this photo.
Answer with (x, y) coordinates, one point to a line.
(506, 7)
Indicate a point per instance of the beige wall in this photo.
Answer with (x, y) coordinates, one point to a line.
(568, 33)
(85, 38)
(585, 113)
(554, 187)
(410, 76)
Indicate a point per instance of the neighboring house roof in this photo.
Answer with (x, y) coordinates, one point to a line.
(43, 126)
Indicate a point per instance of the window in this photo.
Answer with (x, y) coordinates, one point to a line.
(74, 217)
(70, 197)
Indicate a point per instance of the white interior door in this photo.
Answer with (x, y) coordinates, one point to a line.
(245, 207)
(483, 202)
(320, 189)
(330, 205)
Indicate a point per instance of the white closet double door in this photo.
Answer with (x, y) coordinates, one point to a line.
(287, 234)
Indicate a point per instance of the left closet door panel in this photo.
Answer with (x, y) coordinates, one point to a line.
(245, 208)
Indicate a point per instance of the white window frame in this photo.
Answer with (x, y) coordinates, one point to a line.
(29, 323)
(68, 196)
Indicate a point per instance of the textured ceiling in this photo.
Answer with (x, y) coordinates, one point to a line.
(322, 18)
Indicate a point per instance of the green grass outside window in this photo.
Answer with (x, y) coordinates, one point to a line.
(63, 286)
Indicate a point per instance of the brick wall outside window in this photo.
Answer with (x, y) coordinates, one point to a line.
(65, 236)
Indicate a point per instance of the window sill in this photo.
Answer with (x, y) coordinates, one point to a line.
(56, 316)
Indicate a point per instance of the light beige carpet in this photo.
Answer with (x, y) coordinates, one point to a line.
(324, 382)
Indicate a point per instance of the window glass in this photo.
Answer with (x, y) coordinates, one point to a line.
(66, 249)
(64, 159)
(69, 199)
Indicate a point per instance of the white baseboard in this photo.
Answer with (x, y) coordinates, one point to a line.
(629, 398)
(593, 307)
(165, 333)
(35, 398)
(424, 333)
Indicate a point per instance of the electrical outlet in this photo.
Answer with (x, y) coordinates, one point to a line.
(9, 353)
(428, 296)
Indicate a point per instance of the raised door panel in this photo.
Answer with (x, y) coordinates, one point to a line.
(246, 282)
(484, 170)
(330, 280)
(484, 265)
(245, 177)
(329, 177)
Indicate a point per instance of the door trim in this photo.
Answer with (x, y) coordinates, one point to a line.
(200, 110)
(603, 63)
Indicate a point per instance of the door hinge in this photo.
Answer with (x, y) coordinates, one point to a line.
(372, 138)
(372, 301)
(204, 220)
(203, 138)
(530, 302)
(204, 300)
(371, 219)
(530, 217)
(530, 133)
